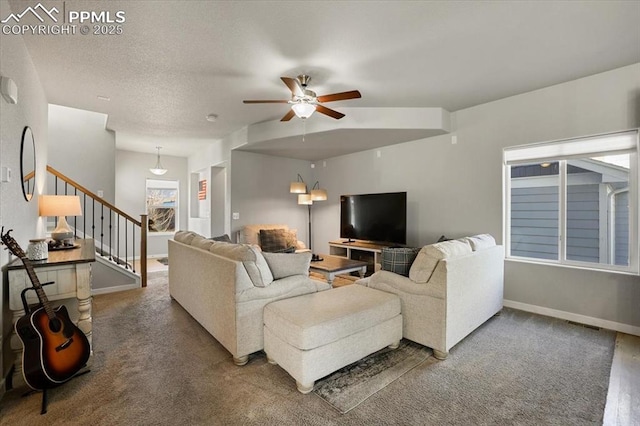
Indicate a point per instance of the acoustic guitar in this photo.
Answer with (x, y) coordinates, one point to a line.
(55, 349)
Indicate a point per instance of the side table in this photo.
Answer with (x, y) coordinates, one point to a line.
(71, 272)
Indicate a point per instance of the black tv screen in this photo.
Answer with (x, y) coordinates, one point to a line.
(374, 217)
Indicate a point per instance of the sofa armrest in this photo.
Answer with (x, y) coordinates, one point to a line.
(399, 284)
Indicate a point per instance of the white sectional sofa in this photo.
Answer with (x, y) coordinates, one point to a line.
(225, 287)
(453, 287)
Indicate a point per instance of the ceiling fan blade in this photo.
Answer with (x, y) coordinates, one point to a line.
(353, 94)
(330, 112)
(266, 102)
(288, 116)
(293, 85)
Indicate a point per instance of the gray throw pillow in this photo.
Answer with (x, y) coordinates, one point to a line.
(284, 265)
(224, 237)
(398, 260)
(273, 240)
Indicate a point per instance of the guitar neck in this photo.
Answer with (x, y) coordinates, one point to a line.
(42, 297)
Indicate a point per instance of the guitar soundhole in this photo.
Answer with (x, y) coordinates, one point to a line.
(55, 325)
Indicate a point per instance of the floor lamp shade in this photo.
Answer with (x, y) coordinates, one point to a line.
(60, 206)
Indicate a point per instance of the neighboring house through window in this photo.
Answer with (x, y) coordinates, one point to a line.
(574, 202)
(162, 206)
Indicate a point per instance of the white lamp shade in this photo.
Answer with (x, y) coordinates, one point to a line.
(59, 205)
(305, 199)
(318, 194)
(297, 188)
(303, 109)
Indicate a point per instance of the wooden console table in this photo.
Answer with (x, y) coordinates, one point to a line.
(71, 272)
(355, 249)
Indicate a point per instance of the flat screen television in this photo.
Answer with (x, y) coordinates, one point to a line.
(374, 217)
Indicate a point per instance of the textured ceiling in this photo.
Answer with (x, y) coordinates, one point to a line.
(178, 61)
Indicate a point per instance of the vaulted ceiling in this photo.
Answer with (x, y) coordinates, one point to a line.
(178, 61)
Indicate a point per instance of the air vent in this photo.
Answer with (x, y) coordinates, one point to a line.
(592, 327)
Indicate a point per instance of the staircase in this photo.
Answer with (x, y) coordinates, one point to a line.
(119, 238)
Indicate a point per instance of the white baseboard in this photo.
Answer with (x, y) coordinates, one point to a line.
(570, 316)
(114, 289)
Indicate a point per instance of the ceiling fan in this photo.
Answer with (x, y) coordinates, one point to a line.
(304, 101)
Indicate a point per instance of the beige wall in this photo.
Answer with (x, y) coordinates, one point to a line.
(456, 190)
(132, 172)
(260, 191)
(15, 212)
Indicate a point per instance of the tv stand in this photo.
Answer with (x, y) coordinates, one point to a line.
(359, 250)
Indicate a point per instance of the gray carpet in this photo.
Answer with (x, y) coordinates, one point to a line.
(154, 365)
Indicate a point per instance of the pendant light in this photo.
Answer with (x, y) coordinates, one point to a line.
(158, 170)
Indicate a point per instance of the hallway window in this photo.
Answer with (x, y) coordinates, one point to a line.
(162, 205)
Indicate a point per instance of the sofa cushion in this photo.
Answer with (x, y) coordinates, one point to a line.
(204, 244)
(481, 241)
(428, 258)
(398, 260)
(250, 256)
(273, 240)
(284, 265)
(317, 319)
(184, 237)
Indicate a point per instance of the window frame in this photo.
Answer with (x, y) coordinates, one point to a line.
(163, 184)
(537, 154)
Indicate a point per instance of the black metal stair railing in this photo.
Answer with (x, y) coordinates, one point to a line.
(112, 243)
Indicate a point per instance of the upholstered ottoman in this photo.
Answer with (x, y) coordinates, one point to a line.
(313, 335)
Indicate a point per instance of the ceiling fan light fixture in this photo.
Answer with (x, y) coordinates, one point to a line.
(158, 170)
(303, 109)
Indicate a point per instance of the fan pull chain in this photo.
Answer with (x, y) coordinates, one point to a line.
(304, 128)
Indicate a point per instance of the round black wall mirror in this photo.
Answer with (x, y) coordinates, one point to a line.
(28, 163)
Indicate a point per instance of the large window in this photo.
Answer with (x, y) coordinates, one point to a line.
(574, 202)
(162, 206)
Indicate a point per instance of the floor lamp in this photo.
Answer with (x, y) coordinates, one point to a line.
(306, 197)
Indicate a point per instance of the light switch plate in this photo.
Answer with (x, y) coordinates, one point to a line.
(235, 215)
(6, 174)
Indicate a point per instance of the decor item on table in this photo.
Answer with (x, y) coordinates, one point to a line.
(60, 206)
(451, 290)
(28, 163)
(398, 259)
(37, 249)
(158, 170)
(305, 102)
(306, 197)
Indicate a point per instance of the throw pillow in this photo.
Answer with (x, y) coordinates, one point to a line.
(224, 237)
(272, 240)
(398, 260)
(285, 265)
(443, 238)
(291, 236)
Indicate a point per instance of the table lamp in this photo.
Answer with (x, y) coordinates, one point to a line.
(60, 206)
